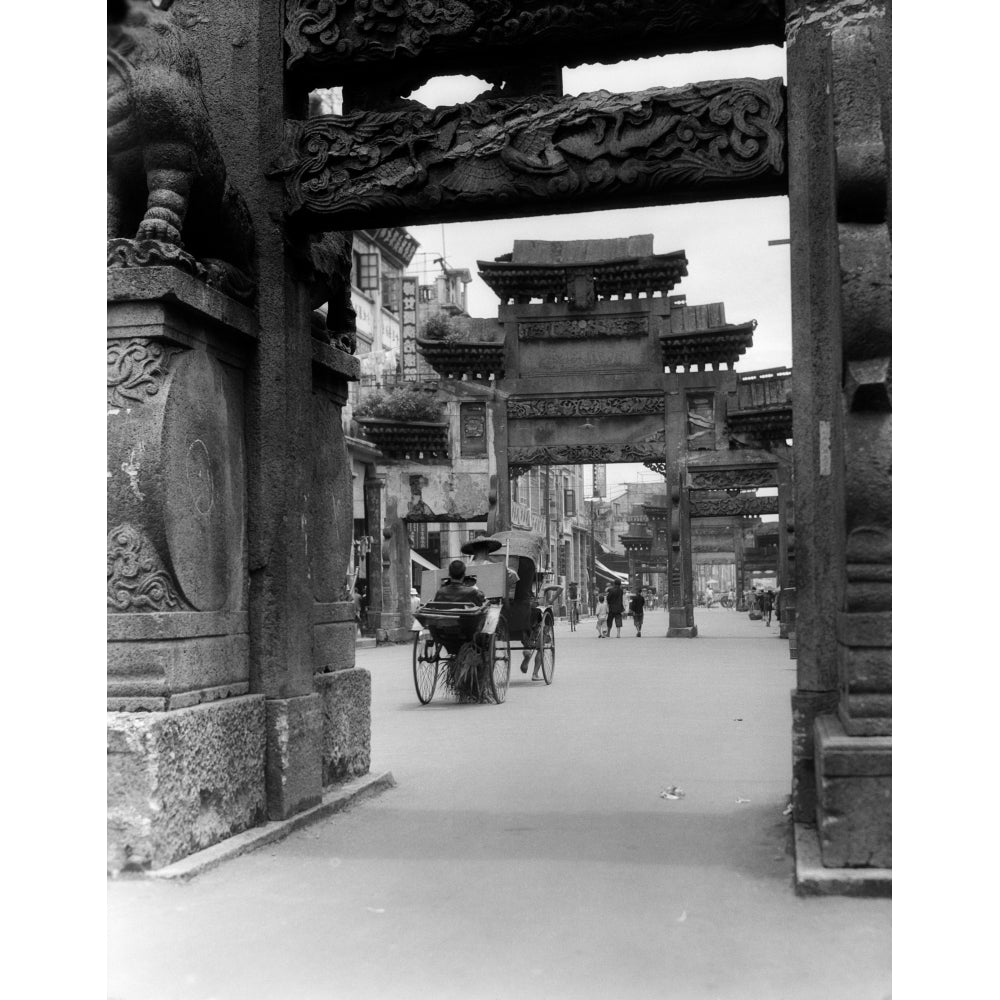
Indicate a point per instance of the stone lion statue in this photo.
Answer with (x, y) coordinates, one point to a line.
(169, 199)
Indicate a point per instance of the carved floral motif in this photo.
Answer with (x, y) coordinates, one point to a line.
(136, 369)
(726, 137)
(577, 329)
(585, 406)
(137, 578)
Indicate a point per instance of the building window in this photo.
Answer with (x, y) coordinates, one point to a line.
(569, 503)
(364, 273)
(473, 417)
(392, 288)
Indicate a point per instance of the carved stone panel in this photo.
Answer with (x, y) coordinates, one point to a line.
(584, 406)
(203, 483)
(175, 483)
(724, 139)
(578, 329)
(585, 454)
(741, 506)
(725, 479)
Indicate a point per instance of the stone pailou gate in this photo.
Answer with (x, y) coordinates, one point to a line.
(212, 278)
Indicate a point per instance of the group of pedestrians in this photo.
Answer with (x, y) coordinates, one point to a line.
(611, 608)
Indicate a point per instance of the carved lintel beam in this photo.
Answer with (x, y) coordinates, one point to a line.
(748, 478)
(493, 158)
(347, 40)
(734, 506)
(520, 408)
(586, 454)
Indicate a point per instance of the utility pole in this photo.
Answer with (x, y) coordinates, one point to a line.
(546, 501)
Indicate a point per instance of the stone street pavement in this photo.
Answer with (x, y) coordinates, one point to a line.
(527, 851)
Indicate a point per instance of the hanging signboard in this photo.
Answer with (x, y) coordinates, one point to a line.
(600, 481)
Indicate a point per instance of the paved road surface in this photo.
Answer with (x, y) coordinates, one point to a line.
(527, 851)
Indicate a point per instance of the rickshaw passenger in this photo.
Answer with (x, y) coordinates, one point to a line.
(457, 589)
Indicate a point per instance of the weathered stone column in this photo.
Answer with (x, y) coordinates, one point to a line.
(344, 690)
(839, 145)
(242, 54)
(499, 511)
(682, 624)
(738, 550)
(375, 519)
(786, 518)
(817, 422)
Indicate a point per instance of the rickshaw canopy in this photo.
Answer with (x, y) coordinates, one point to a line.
(524, 544)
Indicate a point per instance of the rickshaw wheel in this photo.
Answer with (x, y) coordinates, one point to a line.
(547, 649)
(426, 653)
(499, 660)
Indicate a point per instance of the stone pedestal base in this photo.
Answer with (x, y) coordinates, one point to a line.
(782, 630)
(682, 632)
(294, 772)
(181, 781)
(334, 633)
(681, 623)
(806, 707)
(347, 724)
(854, 796)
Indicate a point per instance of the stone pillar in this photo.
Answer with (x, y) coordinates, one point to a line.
(343, 691)
(682, 624)
(839, 160)
(738, 556)
(786, 516)
(817, 422)
(499, 510)
(376, 522)
(402, 575)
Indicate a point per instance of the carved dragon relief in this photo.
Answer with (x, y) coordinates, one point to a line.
(586, 454)
(169, 199)
(717, 139)
(343, 32)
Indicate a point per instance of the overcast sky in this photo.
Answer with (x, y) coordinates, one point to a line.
(726, 241)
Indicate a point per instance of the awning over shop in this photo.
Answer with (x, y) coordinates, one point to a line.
(421, 561)
(603, 573)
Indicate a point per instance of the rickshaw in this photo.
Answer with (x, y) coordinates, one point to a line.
(468, 646)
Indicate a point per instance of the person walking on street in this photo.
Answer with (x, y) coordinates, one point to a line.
(616, 607)
(636, 607)
(767, 606)
(602, 617)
